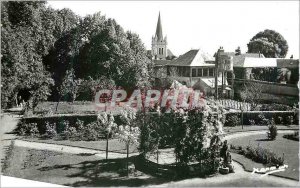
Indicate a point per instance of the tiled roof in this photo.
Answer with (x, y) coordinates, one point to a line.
(185, 59)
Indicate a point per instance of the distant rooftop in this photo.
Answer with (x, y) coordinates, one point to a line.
(192, 58)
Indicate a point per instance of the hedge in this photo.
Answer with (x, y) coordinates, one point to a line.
(254, 115)
(88, 118)
(59, 120)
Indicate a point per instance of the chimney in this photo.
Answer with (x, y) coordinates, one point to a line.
(292, 56)
(238, 51)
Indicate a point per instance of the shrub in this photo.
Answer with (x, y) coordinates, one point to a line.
(252, 122)
(294, 136)
(28, 129)
(290, 120)
(69, 132)
(91, 132)
(263, 119)
(50, 130)
(34, 131)
(233, 121)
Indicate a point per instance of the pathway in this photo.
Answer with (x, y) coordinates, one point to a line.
(8, 123)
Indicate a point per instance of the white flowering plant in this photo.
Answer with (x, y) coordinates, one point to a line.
(107, 122)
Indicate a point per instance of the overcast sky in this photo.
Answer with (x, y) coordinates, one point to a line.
(199, 24)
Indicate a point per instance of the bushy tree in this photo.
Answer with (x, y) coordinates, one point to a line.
(128, 132)
(70, 87)
(270, 43)
(27, 36)
(117, 55)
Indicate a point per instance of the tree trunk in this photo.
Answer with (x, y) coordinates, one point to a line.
(127, 147)
(106, 146)
(57, 106)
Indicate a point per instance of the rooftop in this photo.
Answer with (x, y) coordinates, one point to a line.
(192, 58)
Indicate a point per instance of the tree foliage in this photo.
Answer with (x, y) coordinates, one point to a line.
(270, 43)
(40, 45)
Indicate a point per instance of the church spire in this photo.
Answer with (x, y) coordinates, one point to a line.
(158, 33)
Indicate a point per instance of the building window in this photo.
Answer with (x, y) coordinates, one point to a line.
(200, 74)
(194, 73)
(159, 51)
(205, 72)
(186, 72)
(162, 51)
(211, 72)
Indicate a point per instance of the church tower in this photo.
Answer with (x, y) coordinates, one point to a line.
(159, 44)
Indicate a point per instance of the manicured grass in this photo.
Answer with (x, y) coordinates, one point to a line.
(280, 146)
(114, 145)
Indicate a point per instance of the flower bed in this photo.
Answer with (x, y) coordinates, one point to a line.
(258, 154)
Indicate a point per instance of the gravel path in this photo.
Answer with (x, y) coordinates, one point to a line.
(8, 123)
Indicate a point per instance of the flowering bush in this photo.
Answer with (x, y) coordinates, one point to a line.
(50, 130)
(128, 132)
(194, 134)
(107, 122)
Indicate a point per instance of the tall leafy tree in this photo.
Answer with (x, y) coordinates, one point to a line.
(115, 54)
(270, 43)
(29, 30)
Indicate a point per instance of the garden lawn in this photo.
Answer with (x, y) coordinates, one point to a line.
(73, 170)
(114, 145)
(279, 146)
